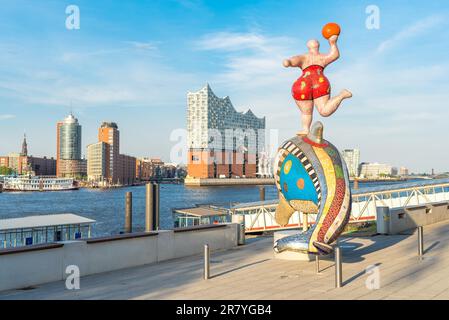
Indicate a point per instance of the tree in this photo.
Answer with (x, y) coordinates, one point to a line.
(5, 171)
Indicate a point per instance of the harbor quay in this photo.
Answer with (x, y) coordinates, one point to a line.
(29, 266)
(398, 260)
(374, 267)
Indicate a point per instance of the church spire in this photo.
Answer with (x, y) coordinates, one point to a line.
(24, 146)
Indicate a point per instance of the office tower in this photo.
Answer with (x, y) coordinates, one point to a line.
(352, 159)
(68, 154)
(98, 162)
(109, 133)
(105, 163)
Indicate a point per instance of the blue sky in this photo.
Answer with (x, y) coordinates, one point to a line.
(134, 61)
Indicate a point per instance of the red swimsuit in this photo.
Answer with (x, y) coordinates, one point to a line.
(311, 85)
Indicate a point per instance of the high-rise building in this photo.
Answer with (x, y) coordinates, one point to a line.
(109, 133)
(222, 142)
(105, 163)
(98, 162)
(68, 153)
(352, 159)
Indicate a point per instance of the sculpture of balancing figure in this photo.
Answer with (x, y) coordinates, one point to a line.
(310, 173)
(313, 88)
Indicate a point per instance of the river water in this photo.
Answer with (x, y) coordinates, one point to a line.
(107, 207)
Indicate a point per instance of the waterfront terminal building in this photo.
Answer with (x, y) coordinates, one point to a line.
(222, 143)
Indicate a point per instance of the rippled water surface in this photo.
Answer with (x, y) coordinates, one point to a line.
(107, 206)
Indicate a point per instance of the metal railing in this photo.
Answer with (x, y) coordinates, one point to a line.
(259, 216)
(365, 201)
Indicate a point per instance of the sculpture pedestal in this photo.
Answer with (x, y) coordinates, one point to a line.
(290, 255)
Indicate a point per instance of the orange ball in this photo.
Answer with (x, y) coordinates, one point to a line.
(331, 29)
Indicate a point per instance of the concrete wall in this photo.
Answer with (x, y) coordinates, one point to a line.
(393, 221)
(33, 265)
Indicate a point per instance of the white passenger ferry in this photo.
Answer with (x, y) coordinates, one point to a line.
(28, 183)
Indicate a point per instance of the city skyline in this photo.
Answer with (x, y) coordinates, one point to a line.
(134, 62)
(85, 152)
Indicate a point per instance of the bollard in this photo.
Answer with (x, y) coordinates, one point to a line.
(240, 220)
(149, 221)
(156, 206)
(305, 222)
(262, 193)
(129, 212)
(152, 203)
(420, 242)
(356, 184)
(338, 268)
(206, 262)
(383, 219)
(317, 263)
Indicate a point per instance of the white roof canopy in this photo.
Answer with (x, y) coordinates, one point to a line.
(43, 221)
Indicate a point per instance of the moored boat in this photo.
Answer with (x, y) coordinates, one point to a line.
(36, 183)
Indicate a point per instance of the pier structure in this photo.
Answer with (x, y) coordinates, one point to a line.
(42, 229)
(36, 264)
(259, 215)
(171, 261)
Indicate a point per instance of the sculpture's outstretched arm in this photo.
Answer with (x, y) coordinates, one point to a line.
(334, 53)
(295, 61)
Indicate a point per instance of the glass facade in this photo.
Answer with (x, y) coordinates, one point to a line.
(97, 161)
(214, 123)
(70, 139)
(352, 159)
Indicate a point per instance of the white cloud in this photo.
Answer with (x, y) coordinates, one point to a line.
(71, 57)
(126, 85)
(119, 76)
(394, 107)
(411, 31)
(129, 46)
(6, 116)
(229, 41)
(250, 60)
(150, 46)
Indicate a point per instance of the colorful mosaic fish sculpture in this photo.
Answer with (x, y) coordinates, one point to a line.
(312, 178)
